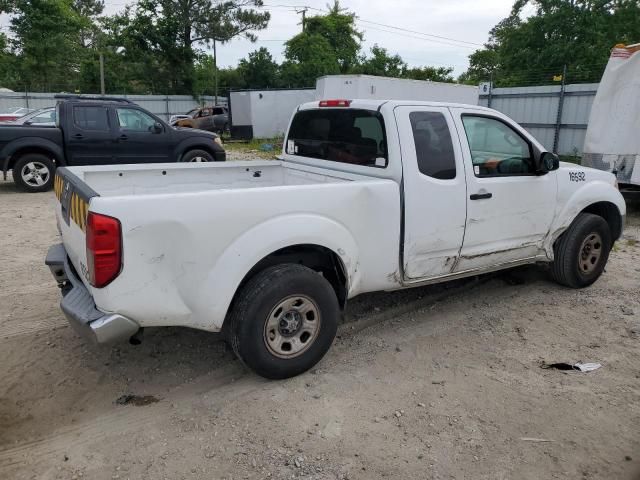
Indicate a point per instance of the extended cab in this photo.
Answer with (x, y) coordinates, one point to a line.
(98, 131)
(367, 196)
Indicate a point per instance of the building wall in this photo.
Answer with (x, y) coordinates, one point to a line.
(536, 109)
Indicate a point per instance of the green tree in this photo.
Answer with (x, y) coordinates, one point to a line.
(228, 78)
(433, 74)
(328, 45)
(576, 33)
(9, 77)
(167, 35)
(46, 39)
(259, 70)
(381, 63)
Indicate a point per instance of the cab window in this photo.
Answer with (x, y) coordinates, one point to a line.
(434, 147)
(135, 120)
(496, 148)
(340, 135)
(92, 118)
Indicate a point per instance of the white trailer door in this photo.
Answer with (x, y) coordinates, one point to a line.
(434, 191)
(509, 207)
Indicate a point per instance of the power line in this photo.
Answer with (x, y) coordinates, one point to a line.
(400, 28)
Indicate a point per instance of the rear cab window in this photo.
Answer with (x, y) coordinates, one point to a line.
(344, 135)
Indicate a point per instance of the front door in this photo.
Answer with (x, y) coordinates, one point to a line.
(509, 207)
(137, 140)
(434, 191)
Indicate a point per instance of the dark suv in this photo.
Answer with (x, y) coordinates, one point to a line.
(98, 131)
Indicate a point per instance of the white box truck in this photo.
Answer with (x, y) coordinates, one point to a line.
(385, 88)
(612, 142)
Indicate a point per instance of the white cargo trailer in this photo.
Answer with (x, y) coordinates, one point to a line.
(385, 88)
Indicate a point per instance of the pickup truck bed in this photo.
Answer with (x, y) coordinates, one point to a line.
(188, 178)
(193, 229)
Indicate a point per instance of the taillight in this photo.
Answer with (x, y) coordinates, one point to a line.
(335, 103)
(104, 249)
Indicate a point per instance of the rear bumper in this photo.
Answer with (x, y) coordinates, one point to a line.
(78, 306)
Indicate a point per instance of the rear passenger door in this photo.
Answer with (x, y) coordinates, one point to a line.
(88, 135)
(434, 191)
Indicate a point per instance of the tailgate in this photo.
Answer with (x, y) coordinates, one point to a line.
(74, 198)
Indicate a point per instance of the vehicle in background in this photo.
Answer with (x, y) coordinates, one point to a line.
(368, 196)
(212, 119)
(43, 117)
(14, 113)
(174, 118)
(612, 142)
(98, 131)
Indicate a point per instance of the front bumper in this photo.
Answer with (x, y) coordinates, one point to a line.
(79, 307)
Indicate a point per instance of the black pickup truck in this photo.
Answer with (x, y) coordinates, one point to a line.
(98, 131)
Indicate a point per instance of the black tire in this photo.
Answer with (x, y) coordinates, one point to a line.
(34, 172)
(194, 155)
(575, 264)
(258, 304)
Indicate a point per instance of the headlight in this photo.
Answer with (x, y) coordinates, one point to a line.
(218, 140)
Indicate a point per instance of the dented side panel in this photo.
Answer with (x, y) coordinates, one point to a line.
(186, 254)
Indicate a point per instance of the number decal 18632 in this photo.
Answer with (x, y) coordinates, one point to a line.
(577, 177)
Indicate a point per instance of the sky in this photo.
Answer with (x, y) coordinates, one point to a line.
(463, 20)
(464, 23)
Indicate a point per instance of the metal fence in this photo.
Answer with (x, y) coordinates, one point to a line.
(557, 115)
(161, 105)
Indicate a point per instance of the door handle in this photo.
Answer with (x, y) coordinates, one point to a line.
(480, 196)
(123, 137)
(78, 136)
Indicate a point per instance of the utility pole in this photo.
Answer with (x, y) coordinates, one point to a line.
(304, 17)
(101, 74)
(556, 136)
(215, 72)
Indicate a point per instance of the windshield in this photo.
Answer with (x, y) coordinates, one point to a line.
(339, 135)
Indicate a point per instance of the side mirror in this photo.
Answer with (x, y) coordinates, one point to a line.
(548, 162)
(157, 127)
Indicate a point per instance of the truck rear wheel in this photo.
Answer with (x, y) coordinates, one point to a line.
(34, 172)
(284, 321)
(581, 253)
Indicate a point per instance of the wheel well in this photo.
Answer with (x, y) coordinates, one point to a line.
(315, 257)
(26, 150)
(610, 213)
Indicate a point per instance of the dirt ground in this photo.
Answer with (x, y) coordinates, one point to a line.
(433, 383)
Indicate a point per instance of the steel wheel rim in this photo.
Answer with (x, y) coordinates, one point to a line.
(590, 253)
(35, 174)
(292, 326)
(199, 159)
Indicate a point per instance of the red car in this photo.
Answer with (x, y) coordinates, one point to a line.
(14, 113)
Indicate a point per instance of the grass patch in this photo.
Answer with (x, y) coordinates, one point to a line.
(268, 148)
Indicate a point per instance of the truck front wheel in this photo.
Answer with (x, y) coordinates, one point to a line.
(284, 321)
(581, 253)
(34, 172)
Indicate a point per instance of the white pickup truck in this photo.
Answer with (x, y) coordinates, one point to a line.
(367, 196)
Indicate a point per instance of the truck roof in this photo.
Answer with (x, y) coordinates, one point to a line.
(377, 104)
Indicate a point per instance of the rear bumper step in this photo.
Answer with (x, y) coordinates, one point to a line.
(79, 307)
